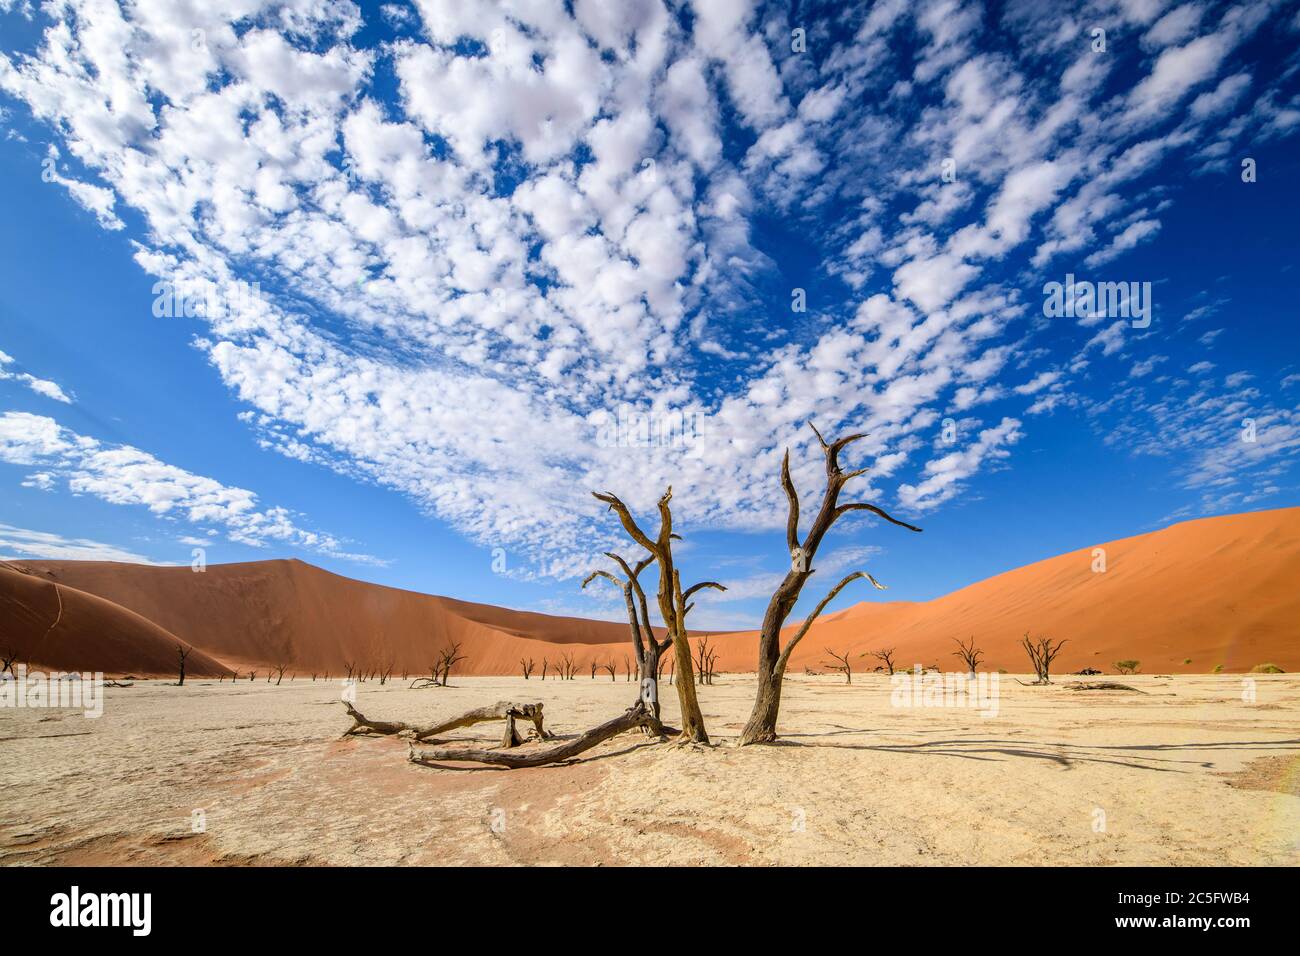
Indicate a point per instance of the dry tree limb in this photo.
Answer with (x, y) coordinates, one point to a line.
(501, 710)
(1103, 685)
(632, 718)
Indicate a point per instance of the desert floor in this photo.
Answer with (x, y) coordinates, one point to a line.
(1187, 773)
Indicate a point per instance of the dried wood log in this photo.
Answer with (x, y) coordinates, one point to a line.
(1103, 685)
(634, 717)
(501, 710)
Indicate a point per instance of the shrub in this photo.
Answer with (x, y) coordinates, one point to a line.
(1218, 668)
(1128, 667)
(1266, 669)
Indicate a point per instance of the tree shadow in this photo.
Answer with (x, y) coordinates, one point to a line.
(1062, 754)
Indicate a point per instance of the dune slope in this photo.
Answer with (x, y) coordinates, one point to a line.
(69, 629)
(1215, 591)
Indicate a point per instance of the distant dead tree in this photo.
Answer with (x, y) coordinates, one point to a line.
(613, 670)
(706, 660)
(527, 665)
(700, 660)
(7, 659)
(450, 658)
(183, 651)
(545, 665)
(886, 658)
(674, 604)
(969, 653)
(772, 659)
(593, 670)
(431, 681)
(627, 666)
(252, 676)
(567, 667)
(1041, 654)
(386, 670)
(278, 670)
(843, 666)
(350, 668)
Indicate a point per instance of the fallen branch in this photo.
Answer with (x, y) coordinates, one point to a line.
(1103, 685)
(636, 716)
(501, 710)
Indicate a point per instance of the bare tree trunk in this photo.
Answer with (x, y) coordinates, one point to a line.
(772, 660)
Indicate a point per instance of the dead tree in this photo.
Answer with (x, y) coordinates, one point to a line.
(706, 659)
(183, 651)
(593, 670)
(252, 676)
(7, 659)
(508, 711)
(886, 658)
(545, 665)
(613, 675)
(278, 670)
(627, 667)
(647, 648)
(843, 666)
(772, 659)
(674, 604)
(567, 666)
(1041, 654)
(969, 653)
(701, 660)
(448, 659)
(527, 665)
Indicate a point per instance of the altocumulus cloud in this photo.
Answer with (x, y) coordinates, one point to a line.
(525, 215)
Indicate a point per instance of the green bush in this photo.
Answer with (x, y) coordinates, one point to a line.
(1218, 668)
(1266, 669)
(1128, 667)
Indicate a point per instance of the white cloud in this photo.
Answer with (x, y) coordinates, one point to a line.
(40, 386)
(24, 543)
(123, 475)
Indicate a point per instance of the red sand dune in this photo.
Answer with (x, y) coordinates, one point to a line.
(264, 612)
(70, 630)
(1215, 591)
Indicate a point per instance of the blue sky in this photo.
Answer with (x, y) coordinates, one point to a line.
(444, 244)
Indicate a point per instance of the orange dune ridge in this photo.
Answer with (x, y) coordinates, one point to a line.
(1215, 591)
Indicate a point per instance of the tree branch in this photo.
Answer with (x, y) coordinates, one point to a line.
(862, 506)
(784, 659)
(792, 521)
